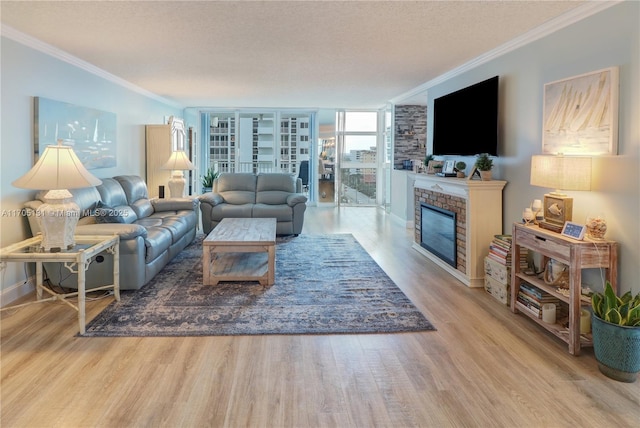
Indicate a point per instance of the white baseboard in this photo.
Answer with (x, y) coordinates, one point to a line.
(469, 282)
(408, 224)
(10, 294)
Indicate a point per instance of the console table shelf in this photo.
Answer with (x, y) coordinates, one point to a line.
(577, 255)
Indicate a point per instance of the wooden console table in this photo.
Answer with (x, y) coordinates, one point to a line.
(76, 260)
(577, 255)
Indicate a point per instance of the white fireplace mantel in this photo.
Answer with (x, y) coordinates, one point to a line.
(483, 204)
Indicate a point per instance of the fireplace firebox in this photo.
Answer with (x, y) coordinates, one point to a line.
(438, 232)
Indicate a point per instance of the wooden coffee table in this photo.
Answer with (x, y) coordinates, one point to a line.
(233, 251)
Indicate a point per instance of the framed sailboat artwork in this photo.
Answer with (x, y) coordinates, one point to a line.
(91, 132)
(581, 114)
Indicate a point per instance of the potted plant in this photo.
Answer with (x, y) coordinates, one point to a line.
(615, 326)
(208, 179)
(460, 167)
(484, 164)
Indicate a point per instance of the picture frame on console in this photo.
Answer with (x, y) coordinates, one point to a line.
(448, 167)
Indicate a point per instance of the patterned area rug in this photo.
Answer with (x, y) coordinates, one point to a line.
(325, 284)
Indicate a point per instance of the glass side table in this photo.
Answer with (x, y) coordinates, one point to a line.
(76, 260)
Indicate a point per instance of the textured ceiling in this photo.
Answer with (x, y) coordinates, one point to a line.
(322, 54)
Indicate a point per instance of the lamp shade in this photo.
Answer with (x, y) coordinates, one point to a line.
(57, 168)
(561, 172)
(178, 161)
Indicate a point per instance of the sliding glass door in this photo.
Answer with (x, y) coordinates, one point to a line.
(357, 160)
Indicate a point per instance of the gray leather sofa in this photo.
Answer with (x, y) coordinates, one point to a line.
(151, 232)
(246, 195)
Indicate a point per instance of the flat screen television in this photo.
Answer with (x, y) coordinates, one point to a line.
(465, 122)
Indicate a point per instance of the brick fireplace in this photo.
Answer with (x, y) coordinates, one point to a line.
(450, 203)
(477, 206)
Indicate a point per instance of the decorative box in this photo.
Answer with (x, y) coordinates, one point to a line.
(497, 271)
(497, 289)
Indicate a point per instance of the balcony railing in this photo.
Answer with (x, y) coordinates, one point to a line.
(254, 167)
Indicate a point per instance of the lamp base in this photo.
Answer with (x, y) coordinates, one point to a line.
(557, 210)
(176, 185)
(58, 219)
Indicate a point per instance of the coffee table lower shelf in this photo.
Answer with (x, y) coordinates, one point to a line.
(239, 267)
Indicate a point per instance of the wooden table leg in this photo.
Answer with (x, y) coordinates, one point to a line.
(82, 268)
(271, 249)
(206, 265)
(39, 280)
(116, 271)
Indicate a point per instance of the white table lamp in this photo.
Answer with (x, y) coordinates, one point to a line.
(178, 162)
(57, 170)
(560, 173)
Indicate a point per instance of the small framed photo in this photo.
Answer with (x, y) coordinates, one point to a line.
(574, 230)
(449, 166)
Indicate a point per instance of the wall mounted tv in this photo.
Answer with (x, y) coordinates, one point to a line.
(465, 122)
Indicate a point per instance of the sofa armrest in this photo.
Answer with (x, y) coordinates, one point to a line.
(211, 198)
(125, 231)
(175, 204)
(295, 199)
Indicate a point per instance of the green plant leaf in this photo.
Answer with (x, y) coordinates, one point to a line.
(633, 317)
(613, 316)
(611, 301)
(596, 304)
(624, 311)
(626, 297)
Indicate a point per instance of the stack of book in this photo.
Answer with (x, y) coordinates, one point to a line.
(500, 251)
(533, 298)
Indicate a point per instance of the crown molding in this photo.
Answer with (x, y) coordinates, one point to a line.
(32, 42)
(579, 13)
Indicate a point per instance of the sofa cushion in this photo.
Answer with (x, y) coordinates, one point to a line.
(237, 188)
(295, 199)
(276, 181)
(188, 217)
(177, 226)
(111, 193)
(134, 187)
(142, 207)
(149, 222)
(279, 212)
(158, 240)
(175, 204)
(107, 214)
(274, 189)
(234, 211)
(135, 190)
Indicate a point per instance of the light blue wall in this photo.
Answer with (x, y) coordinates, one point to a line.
(27, 73)
(609, 38)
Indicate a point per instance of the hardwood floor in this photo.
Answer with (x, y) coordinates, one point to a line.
(483, 367)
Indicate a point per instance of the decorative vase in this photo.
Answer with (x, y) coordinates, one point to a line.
(617, 349)
(596, 227)
(485, 175)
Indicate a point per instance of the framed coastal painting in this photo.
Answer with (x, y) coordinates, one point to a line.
(91, 132)
(581, 114)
